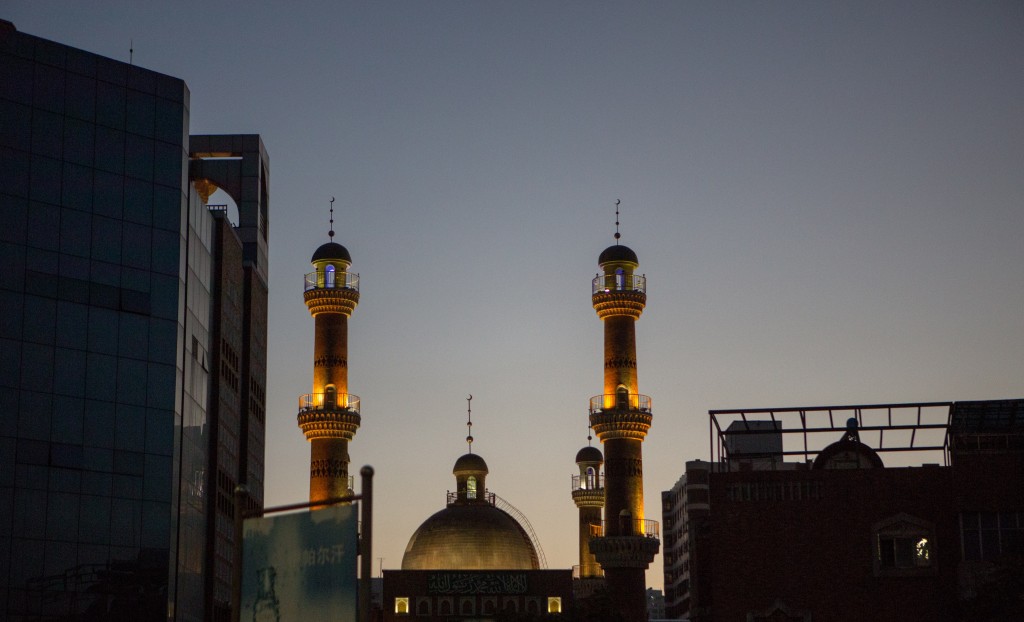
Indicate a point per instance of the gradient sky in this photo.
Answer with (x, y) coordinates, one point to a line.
(826, 198)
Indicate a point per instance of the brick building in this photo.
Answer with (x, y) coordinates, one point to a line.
(841, 534)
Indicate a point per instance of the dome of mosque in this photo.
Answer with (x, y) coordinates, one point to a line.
(469, 463)
(470, 536)
(332, 250)
(589, 454)
(617, 252)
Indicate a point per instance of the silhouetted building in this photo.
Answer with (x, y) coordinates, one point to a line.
(838, 534)
(132, 341)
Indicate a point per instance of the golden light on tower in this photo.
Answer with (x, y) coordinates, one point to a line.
(329, 416)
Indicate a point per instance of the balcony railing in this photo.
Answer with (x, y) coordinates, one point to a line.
(331, 279)
(620, 401)
(328, 401)
(604, 283)
(452, 497)
(629, 527)
(587, 482)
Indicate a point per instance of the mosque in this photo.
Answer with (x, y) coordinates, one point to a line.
(478, 558)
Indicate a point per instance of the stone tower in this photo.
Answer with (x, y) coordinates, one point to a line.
(329, 416)
(588, 495)
(621, 417)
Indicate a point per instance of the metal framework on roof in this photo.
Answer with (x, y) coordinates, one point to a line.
(916, 427)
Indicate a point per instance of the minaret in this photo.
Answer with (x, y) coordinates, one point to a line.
(329, 416)
(621, 417)
(588, 495)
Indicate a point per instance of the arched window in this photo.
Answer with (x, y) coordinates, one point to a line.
(620, 279)
(471, 487)
(467, 607)
(423, 608)
(402, 605)
(329, 276)
(445, 607)
(622, 397)
(591, 478)
(330, 397)
(554, 604)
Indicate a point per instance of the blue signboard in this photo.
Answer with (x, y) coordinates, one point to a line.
(301, 567)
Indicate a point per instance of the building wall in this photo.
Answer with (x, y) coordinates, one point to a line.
(105, 333)
(443, 595)
(807, 540)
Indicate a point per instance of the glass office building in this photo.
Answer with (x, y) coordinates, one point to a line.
(107, 262)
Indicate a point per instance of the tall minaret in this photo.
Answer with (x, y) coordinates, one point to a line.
(621, 417)
(588, 495)
(329, 416)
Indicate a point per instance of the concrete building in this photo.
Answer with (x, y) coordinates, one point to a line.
(132, 340)
(831, 531)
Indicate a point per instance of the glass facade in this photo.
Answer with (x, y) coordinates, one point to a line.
(105, 297)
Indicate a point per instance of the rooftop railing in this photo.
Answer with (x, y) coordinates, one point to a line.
(331, 279)
(328, 401)
(629, 527)
(452, 497)
(587, 482)
(604, 283)
(620, 401)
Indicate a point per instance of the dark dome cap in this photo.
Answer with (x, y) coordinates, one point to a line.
(589, 454)
(469, 463)
(332, 250)
(617, 252)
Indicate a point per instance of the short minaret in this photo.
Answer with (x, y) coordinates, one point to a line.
(588, 495)
(621, 417)
(329, 416)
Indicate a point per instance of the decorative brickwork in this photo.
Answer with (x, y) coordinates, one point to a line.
(339, 300)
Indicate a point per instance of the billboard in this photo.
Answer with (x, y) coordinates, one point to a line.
(300, 567)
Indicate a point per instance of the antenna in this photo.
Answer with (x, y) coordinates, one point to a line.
(617, 236)
(331, 231)
(131, 50)
(469, 422)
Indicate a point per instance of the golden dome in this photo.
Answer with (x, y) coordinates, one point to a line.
(470, 536)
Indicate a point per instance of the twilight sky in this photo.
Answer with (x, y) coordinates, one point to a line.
(826, 198)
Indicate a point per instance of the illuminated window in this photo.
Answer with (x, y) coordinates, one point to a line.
(402, 605)
(329, 276)
(554, 604)
(471, 487)
(903, 546)
(591, 482)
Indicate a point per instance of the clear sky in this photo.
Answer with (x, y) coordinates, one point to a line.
(826, 198)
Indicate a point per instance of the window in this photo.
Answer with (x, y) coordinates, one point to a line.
(554, 604)
(402, 605)
(329, 276)
(423, 607)
(471, 487)
(591, 482)
(990, 535)
(904, 546)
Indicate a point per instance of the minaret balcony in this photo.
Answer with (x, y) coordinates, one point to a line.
(629, 527)
(329, 415)
(330, 279)
(588, 482)
(329, 401)
(621, 415)
(608, 283)
(620, 401)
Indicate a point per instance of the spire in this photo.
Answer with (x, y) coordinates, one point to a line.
(469, 422)
(330, 233)
(617, 236)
